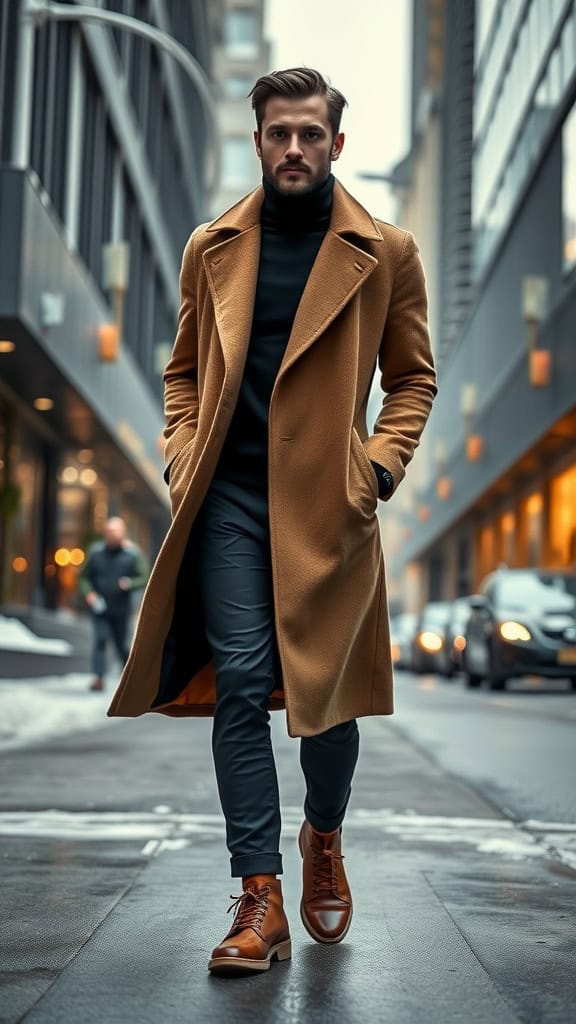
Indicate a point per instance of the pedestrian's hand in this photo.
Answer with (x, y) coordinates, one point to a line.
(125, 583)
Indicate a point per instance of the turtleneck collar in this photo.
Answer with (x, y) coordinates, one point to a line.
(297, 213)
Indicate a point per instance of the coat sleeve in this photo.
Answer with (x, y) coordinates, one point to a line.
(180, 376)
(406, 366)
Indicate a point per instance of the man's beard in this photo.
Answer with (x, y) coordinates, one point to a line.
(306, 182)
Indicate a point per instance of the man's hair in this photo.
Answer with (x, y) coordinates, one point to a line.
(297, 83)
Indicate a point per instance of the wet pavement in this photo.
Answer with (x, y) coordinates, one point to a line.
(115, 883)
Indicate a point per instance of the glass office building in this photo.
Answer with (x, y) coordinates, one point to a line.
(501, 448)
(103, 155)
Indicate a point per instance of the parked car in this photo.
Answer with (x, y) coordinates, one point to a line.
(456, 633)
(523, 621)
(402, 629)
(429, 644)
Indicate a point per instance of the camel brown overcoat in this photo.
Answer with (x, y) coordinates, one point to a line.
(364, 305)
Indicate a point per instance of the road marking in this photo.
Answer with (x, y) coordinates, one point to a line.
(164, 829)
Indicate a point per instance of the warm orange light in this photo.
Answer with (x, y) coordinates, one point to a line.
(62, 557)
(69, 475)
(508, 522)
(108, 342)
(43, 404)
(430, 641)
(77, 556)
(6, 345)
(88, 477)
(474, 447)
(395, 653)
(424, 513)
(459, 642)
(444, 488)
(534, 504)
(539, 367)
(19, 564)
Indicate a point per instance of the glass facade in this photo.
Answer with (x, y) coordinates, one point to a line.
(92, 193)
(525, 64)
(241, 34)
(237, 87)
(237, 162)
(569, 190)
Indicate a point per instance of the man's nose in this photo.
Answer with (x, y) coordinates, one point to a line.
(294, 149)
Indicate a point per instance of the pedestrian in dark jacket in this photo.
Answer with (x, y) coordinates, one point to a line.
(114, 568)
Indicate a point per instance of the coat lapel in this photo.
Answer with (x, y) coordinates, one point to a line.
(339, 270)
(232, 271)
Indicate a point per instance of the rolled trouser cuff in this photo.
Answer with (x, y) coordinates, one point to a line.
(246, 864)
(320, 824)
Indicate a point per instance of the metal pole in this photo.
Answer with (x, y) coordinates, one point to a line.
(21, 129)
(35, 12)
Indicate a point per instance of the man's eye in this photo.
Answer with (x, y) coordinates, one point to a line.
(313, 135)
(278, 134)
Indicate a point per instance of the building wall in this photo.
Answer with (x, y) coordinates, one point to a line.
(508, 498)
(243, 55)
(111, 147)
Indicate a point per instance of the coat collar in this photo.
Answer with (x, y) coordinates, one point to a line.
(348, 216)
(231, 264)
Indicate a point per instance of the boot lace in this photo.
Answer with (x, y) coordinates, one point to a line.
(250, 909)
(325, 870)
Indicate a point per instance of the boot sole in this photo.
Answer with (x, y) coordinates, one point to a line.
(311, 931)
(241, 965)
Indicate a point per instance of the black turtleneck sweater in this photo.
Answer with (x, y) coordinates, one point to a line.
(293, 228)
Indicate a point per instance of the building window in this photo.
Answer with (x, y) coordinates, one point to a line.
(569, 190)
(241, 34)
(237, 87)
(237, 162)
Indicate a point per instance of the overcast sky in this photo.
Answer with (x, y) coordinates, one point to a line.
(363, 47)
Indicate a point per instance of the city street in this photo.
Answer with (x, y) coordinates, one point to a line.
(460, 847)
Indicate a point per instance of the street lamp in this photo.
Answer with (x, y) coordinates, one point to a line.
(36, 12)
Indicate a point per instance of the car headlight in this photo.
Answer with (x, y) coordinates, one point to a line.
(430, 641)
(514, 631)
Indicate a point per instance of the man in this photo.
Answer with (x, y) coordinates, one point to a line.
(269, 590)
(113, 569)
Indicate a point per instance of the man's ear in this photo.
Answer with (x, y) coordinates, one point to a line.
(337, 146)
(257, 144)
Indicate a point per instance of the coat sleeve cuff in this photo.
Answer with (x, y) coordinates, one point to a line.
(384, 489)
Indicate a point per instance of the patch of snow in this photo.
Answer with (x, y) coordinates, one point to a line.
(33, 710)
(15, 636)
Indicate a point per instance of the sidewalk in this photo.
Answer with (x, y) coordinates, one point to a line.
(115, 885)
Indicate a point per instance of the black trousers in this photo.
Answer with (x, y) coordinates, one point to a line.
(236, 586)
(108, 626)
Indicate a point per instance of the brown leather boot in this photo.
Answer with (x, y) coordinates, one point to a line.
(260, 930)
(326, 906)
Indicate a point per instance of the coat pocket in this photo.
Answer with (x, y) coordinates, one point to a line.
(178, 472)
(365, 467)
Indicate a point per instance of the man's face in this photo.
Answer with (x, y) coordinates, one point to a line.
(114, 532)
(295, 144)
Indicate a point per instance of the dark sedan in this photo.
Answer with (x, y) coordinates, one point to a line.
(522, 623)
